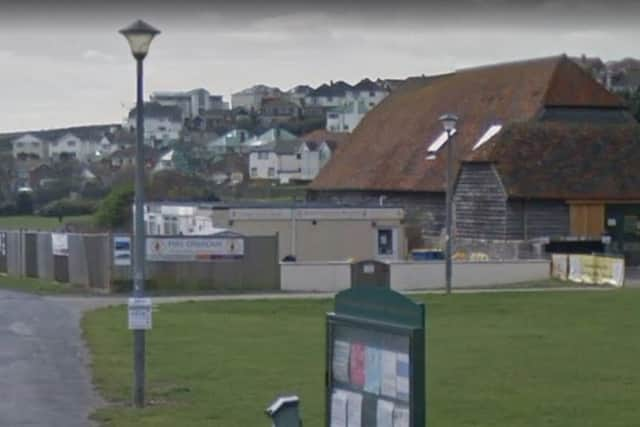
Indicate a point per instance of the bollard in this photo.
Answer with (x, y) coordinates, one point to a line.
(284, 412)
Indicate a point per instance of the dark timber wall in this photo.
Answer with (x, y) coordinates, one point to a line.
(482, 210)
(480, 203)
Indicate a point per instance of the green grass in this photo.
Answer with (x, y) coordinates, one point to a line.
(38, 286)
(34, 222)
(553, 359)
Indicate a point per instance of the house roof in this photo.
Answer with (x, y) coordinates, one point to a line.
(321, 135)
(159, 111)
(337, 89)
(89, 132)
(566, 160)
(387, 150)
(366, 85)
(281, 146)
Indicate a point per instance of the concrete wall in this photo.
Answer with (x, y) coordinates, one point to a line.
(45, 257)
(315, 276)
(326, 240)
(15, 253)
(430, 275)
(406, 276)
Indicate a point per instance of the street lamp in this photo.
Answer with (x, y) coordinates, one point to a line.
(139, 35)
(449, 122)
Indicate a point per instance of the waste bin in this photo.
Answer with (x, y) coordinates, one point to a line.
(284, 412)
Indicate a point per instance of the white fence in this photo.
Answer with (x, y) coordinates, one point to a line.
(408, 275)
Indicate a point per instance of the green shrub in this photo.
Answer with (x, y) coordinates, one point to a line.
(68, 207)
(115, 210)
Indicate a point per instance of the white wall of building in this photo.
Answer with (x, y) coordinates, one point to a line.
(263, 165)
(30, 145)
(158, 130)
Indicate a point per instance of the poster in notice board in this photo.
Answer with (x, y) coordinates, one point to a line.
(370, 379)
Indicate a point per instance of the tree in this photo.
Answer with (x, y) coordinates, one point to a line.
(115, 211)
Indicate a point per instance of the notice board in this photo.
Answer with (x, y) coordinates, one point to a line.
(375, 368)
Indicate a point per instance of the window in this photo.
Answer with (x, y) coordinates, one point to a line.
(35, 144)
(254, 172)
(20, 144)
(298, 156)
(385, 242)
(345, 127)
(439, 142)
(263, 155)
(372, 94)
(271, 172)
(329, 98)
(71, 143)
(490, 133)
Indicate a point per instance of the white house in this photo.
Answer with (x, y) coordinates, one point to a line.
(29, 146)
(71, 146)
(162, 124)
(329, 95)
(288, 160)
(359, 100)
(251, 98)
(191, 103)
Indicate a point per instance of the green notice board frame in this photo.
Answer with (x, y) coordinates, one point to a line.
(375, 360)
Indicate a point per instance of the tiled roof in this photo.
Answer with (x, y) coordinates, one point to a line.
(334, 89)
(321, 135)
(387, 150)
(566, 160)
(159, 111)
(89, 132)
(366, 85)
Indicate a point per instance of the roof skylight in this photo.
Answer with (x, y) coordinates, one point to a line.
(490, 133)
(439, 142)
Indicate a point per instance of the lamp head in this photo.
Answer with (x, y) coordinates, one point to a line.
(449, 122)
(139, 35)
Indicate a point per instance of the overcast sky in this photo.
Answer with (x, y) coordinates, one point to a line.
(68, 65)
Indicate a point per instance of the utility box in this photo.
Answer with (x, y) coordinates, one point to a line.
(284, 412)
(370, 273)
(375, 360)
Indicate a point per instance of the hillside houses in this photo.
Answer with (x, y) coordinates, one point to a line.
(543, 153)
(162, 124)
(286, 160)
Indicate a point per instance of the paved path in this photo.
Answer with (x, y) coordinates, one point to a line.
(80, 304)
(44, 378)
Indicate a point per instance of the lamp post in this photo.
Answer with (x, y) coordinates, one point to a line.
(139, 35)
(449, 122)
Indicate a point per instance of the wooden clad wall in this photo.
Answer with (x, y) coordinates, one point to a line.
(587, 220)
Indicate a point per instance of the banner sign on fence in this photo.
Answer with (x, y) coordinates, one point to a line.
(3, 244)
(560, 266)
(174, 249)
(59, 244)
(122, 250)
(596, 270)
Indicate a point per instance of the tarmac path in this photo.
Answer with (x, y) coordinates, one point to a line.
(44, 377)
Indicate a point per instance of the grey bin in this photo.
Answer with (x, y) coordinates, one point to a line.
(284, 412)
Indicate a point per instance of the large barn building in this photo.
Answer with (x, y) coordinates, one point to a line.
(543, 153)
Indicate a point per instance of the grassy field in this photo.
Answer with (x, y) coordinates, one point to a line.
(38, 286)
(34, 222)
(564, 359)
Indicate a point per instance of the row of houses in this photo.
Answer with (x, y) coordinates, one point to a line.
(542, 153)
